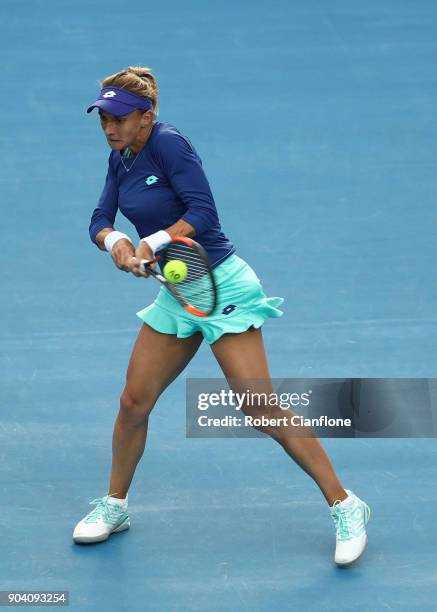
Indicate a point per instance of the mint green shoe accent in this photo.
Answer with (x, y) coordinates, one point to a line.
(350, 522)
(111, 513)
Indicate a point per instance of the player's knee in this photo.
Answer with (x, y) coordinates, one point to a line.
(135, 410)
(262, 419)
(272, 432)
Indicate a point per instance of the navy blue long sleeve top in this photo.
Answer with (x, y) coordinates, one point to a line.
(165, 183)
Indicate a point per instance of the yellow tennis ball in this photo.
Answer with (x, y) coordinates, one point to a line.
(175, 271)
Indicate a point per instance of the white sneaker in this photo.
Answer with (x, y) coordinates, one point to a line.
(97, 526)
(350, 523)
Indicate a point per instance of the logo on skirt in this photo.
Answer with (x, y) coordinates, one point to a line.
(228, 309)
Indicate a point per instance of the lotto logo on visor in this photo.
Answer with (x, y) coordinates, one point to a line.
(119, 101)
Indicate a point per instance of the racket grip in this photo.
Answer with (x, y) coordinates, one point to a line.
(145, 263)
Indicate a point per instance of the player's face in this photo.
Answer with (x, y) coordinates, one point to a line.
(127, 130)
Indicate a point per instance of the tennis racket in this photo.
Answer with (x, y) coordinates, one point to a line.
(197, 293)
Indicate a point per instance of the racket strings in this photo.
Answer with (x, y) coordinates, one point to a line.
(197, 288)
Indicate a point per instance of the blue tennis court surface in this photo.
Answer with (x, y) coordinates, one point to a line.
(316, 124)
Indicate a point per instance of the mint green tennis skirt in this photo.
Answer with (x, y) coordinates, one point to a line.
(241, 304)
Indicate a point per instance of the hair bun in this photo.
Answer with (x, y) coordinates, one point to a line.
(139, 80)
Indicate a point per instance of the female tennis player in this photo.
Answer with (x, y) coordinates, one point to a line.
(155, 178)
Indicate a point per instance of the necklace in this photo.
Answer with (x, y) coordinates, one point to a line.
(128, 154)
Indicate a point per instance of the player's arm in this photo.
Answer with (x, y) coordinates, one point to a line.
(146, 249)
(181, 228)
(184, 171)
(103, 217)
(122, 249)
(100, 237)
(101, 228)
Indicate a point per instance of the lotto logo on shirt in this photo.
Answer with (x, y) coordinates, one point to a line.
(150, 180)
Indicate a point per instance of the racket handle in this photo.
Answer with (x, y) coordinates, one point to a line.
(146, 263)
(145, 267)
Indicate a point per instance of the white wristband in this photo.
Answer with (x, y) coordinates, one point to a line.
(157, 240)
(112, 238)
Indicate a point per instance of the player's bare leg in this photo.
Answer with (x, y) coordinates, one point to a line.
(242, 356)
(157, 359)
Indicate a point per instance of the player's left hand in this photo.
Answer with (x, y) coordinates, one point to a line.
(142, 252)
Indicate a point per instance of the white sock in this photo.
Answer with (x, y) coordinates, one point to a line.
(119, 502)
(348, 501)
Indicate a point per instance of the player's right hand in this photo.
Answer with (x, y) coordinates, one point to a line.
(122, 253)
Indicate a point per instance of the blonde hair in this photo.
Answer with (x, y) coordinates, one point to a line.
(137, 79)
